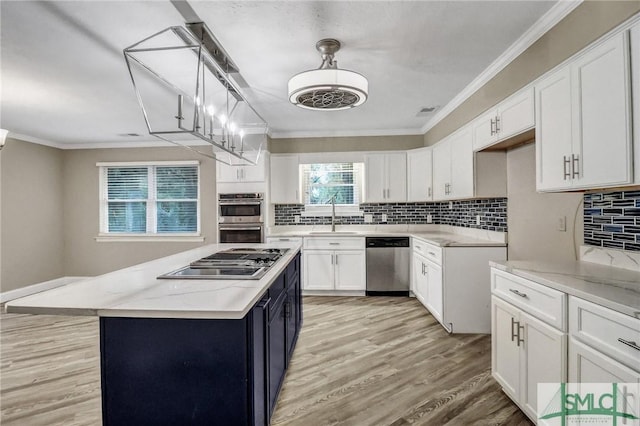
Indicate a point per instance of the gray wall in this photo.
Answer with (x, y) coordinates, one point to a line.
(345, 144)
(85, 256)
(532, 217)
(577, 30)
(31, 226)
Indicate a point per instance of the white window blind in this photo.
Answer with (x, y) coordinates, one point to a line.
(150, 199)
(321, 181)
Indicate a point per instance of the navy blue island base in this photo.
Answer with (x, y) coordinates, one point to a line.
(159, 371)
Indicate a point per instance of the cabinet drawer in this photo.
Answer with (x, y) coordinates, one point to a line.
(284, 240)
(606, 330)
(542, 302)
(431, 252)
(332, 243)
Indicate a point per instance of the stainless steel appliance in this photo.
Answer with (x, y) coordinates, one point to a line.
(232, 264)
(240, 218)
(388, 265)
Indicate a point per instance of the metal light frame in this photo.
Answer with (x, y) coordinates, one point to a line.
(211, 59)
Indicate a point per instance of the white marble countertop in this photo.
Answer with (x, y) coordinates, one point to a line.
(436, 235)
(136, 292)
(615, 288)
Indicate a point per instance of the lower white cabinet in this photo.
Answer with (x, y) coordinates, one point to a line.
(334, 264)
(525, 351)
(588, 365)
(428, 284)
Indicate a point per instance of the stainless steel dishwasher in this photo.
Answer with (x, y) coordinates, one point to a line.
(388, 264)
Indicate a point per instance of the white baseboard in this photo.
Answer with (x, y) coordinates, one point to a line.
(332, 293)
(37, 288)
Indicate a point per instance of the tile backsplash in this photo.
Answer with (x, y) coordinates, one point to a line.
(492, 212)
(612, 220)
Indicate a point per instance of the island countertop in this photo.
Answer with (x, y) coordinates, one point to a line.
(136, 291)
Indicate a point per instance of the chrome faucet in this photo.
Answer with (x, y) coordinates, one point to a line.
(333, 212)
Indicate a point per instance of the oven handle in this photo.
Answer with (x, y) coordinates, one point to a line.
(241, 203)
(240, 228)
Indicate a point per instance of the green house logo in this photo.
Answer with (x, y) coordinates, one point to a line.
(563, 404)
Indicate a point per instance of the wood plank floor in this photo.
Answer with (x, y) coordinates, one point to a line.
(359, 361)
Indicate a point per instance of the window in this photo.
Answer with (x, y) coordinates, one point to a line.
(322, 181)
(149, 198)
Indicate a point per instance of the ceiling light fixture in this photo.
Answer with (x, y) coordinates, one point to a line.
(183, 84)
(328, 88)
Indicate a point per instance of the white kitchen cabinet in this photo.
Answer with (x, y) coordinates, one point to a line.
(525, 351)
(239, 174)
(588, 365)
(634, 41)
(511, 117)
(441, 170)
(334, 264)
(453, 171)
(285, 179)
(583, 121)
(453, 283)
(385, 177)
(419, 175)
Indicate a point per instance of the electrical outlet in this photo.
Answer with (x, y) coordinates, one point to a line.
(562, 224)
(429, 218)
(383, 218)
(296, 218)
(450, 205)
(478, 219)
(368, 218)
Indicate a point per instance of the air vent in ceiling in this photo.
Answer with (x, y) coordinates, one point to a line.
(427, 110)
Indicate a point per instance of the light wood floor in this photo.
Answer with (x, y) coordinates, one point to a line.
(359, 361)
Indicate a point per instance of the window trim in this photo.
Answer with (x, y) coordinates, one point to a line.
(311, 210)
(103, 235)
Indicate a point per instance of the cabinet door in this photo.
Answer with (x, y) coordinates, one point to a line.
(462, 175)
(227, 174)
(587, 365)
(285, 181)
(254, 173)
(318, 270)
(396, 175)
(516, 114)
(350, 270)
(375, 181)
(505, 352)
(441, 170)
(418, 282)
(553, 131)
(434, 297)
(277, 353)
(602, 120)
(290, 318)
(543, 360)
(419, 175)
(484, 130)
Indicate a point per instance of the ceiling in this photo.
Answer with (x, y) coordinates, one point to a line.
(64, 79)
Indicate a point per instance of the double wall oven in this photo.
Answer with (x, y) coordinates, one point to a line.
(241, 218)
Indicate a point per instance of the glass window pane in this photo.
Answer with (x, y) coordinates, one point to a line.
(177, 216)
(127, 183)
(127, 217)
(177, 182)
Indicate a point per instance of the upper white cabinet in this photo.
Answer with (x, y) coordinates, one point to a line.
(583, 121)
(385, 177)
(453, 166)
(238, 174)
(419, 175)
(509, 118)
(285, 180)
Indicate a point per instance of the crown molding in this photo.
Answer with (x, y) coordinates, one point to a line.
(157, 143)
(554, 15)
(33, 139)
(345, 133)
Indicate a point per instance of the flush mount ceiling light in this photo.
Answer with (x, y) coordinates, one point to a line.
(328, 88)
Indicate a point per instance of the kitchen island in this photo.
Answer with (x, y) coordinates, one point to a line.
(184, 351)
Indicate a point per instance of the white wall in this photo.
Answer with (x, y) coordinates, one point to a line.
(533, 217)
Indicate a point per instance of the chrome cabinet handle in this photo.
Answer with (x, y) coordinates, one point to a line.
(336, 259)
(575, 166)
(423, 269)
(513, 334)
(284, 239)
(493, 132)
(629, 343)
(520, 327)
(566, 162)
(497, 125)
(431, 253)
(334, 244)
(429, 193)
(332, 259)
(418, 247)
(516, 292)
